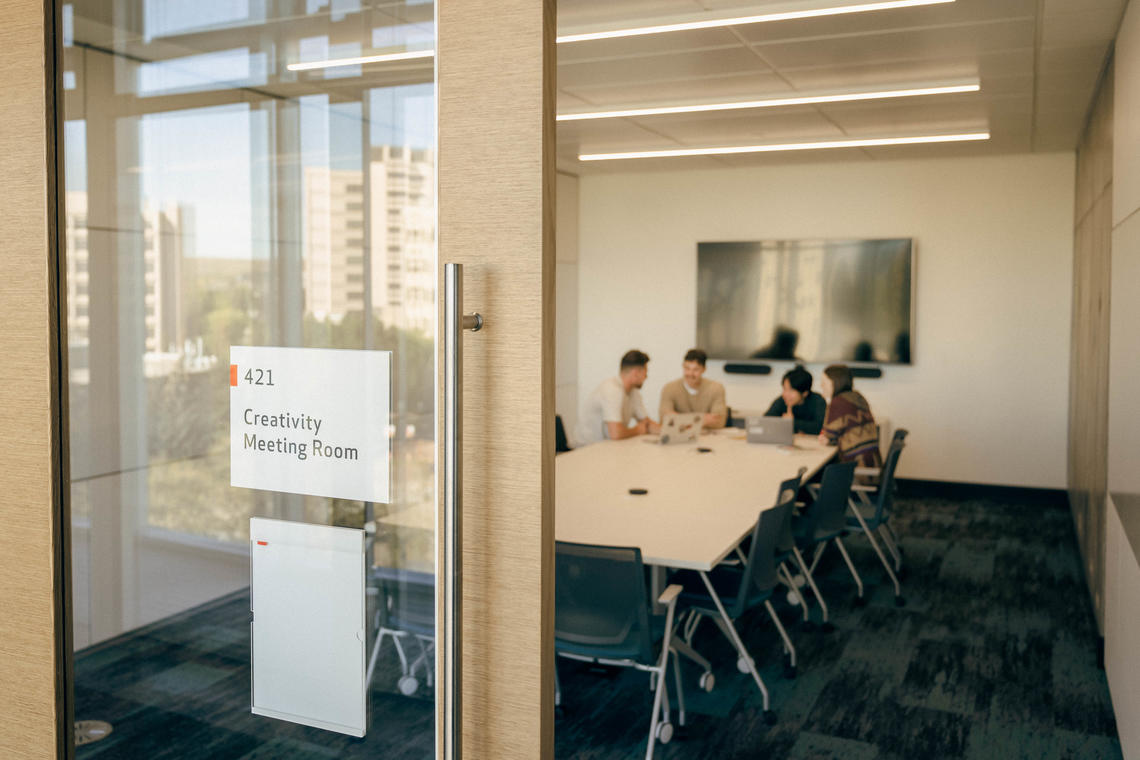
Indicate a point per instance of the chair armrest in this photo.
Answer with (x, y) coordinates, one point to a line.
(670, 594)
(873, 472)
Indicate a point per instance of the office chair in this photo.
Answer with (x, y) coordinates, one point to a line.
(870, 509)
(405, 610)
(742, 587)
(824, 522)
(561, 443)
(602, 614)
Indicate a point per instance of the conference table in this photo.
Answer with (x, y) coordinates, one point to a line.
(701, 499)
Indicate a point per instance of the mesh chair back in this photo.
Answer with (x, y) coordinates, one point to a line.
(600, 600)
(786, 540)
(886, 495)
(407, 600)
(760, 572)
(828, 513)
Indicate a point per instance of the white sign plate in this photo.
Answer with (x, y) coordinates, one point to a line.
(311, 421)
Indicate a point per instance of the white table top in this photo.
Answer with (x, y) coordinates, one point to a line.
(699, 506)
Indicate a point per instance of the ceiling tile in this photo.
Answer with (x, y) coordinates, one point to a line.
(1084, 28)
(747, 127)
(908, 45)
(659, 68)
(620, 13)
(704, 89)
(962, 12)
(652, 44)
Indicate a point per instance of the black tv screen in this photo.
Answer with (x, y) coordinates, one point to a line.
(806, 300)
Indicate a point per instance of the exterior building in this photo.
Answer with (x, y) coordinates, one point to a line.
(163, 257)
(401, 241)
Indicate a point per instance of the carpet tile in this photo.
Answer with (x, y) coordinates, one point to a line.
(993, 657)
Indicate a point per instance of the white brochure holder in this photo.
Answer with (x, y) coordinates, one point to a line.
(308, 624)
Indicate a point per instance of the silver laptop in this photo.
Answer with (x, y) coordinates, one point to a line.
(771, 430)
(680, 428)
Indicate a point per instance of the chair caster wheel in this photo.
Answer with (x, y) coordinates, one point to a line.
(664, 732)
(707, 682)
(827, 628)
(900, 602)
(408, 685)
(860, 601)
(789, 671)
(770, 717)
(742, 665)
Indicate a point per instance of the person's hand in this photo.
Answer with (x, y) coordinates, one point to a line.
(642, 427)
(651, 426)
(709, 420)
(825, 439)
(788, 415)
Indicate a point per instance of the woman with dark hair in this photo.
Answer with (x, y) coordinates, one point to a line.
(849, 422)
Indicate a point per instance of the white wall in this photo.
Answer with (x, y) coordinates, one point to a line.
(1122, 571)
(566, 302)
(1124, 332)
(987, 397)
(1122, 629)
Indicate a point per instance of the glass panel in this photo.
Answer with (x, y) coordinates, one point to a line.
(215, 197)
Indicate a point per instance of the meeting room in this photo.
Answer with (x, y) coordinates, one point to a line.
(887, 347)
(591, 379)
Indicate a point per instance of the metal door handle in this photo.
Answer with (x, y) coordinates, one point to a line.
(455, 322)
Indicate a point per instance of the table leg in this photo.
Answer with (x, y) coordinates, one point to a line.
(657, 577)
(735, 638)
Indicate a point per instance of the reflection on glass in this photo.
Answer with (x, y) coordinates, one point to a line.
(215, 198)
(806, 300)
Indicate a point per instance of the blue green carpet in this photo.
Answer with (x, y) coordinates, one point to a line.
(993, 656)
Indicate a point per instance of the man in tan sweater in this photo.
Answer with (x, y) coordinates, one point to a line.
(692, 393)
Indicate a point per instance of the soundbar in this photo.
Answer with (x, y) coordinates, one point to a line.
(747, 369)
(740, 368)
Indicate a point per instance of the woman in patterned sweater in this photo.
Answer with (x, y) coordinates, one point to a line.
(849, 422)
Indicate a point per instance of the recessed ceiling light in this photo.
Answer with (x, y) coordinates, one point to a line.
(820, 145)
(796, 100)
(712, 23)
(698, 23)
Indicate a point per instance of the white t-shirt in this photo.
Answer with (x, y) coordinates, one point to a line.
(608, 403)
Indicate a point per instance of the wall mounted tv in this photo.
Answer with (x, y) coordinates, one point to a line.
(807, 300)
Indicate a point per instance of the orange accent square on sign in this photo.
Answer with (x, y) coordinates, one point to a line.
(233, 375)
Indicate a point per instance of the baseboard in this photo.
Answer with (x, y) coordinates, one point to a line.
(1045, 497)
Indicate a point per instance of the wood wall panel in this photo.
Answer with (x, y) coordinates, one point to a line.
(32, 694)
(496, 218)
(1088, 385)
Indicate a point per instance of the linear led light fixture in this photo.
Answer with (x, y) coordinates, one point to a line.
(712, 23)
(359, 60)
(772, 102)
(706, 23)
(857, 143)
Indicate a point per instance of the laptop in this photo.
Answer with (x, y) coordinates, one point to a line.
(680, 428)
(771, 430)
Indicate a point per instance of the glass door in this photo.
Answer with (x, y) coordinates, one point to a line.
(250, 188)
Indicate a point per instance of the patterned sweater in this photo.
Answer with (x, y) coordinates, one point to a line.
(849, 423)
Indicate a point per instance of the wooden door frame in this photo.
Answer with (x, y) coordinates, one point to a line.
(496, 201)
(497, 177)
(35, 638)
